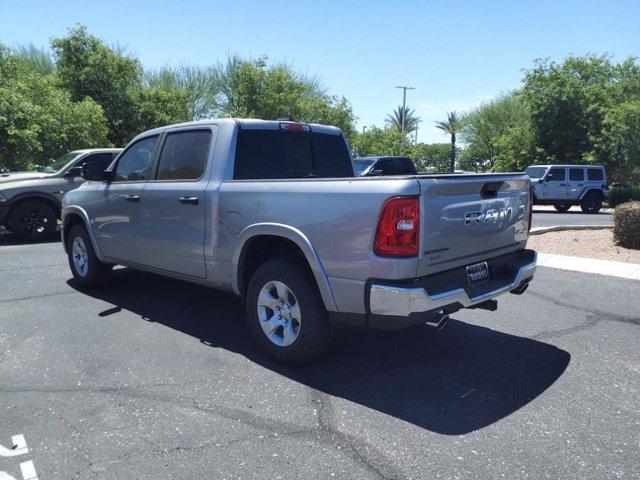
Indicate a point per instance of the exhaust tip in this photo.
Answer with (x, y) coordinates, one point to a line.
(520, 289)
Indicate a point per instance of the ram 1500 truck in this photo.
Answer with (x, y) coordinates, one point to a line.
(271, 211)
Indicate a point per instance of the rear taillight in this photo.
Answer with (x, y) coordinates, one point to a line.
(398, 233)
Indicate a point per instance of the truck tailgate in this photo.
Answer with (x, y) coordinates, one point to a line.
(466, 218)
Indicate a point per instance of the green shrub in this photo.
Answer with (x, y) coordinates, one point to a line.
(626, 225)
(623, 194)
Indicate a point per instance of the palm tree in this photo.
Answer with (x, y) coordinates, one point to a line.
(451, 126)
(410, 120)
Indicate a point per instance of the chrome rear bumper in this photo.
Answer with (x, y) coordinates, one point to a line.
(404, 301)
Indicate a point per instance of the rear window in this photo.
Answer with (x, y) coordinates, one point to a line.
(272, 154)
(595, 174)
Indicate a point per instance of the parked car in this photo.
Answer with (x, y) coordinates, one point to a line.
(374, 166)
(271, 211)
(30, 202)
(565, 185)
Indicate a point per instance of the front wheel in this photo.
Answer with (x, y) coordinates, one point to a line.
(591, 203)
(562, 207)
(285, 313)
(86, 267)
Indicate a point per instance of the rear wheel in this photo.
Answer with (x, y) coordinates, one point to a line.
(33, 221)
(591, 203)
(85, 266)
(285, 313)
(562, 207)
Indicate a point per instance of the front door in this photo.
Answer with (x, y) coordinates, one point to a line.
(117, 214)
(555, 184)
(173, 222)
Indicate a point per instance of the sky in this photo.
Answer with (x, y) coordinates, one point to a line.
(455, 54)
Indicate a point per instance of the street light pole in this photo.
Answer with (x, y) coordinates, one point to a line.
(404, 104)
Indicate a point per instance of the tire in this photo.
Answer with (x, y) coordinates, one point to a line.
(562, 207)
(591, 203)
(33, 221)
(87, 269)
(280, 289)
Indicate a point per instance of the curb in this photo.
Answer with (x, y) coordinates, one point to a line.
(562, 228)
(609, 268)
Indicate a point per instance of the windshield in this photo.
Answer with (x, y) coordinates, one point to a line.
(360, 166)
(60, 162)
(536, 172)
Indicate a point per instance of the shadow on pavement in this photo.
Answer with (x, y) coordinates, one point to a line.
(8, 238)
(451, 382)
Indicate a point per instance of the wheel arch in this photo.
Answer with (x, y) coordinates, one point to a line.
(597, 191)
(75, 215)
(48, 199)
(259, 238)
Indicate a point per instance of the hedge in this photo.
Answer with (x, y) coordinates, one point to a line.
(626, 225)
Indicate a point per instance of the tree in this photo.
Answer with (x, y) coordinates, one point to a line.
(431, 158)
(88, 68)
(39, 59)
(380, 141)
(451, 126)
(196, 84)
(410, 120)
(252, 88)
(482, 128)
(38, 120)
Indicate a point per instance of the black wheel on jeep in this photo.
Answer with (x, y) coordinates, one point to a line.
(33, 221)
(285, 313)
(562, 207)
(591, 203)
(86, 267)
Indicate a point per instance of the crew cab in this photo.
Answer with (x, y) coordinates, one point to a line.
(30, 201)
(272, 211)
(565, 185)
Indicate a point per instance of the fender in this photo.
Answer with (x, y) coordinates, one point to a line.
(36, 194)
(74, 209)
(589, 190)
(300, 239)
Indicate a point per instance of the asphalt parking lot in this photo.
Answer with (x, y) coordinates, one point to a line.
(548, 217)
(155, 378)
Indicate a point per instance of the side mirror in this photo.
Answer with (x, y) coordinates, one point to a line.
(93, 171)
(540, 180)
(39, 168)
(376, 172)
(73, 172)
(548, 177)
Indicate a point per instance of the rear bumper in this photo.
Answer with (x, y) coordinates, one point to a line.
(449, 290)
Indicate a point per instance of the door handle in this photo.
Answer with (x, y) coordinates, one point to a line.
(189, 200)
(563, 184)
(132, 198)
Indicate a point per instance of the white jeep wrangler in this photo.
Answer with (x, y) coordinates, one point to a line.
(565, 185)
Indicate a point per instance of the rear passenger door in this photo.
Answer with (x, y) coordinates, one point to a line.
(575, 185)
(173, 223)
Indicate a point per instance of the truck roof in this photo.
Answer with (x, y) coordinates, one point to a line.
(246, 123)
(562, 165)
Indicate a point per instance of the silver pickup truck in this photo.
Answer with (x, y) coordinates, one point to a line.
(271, 211)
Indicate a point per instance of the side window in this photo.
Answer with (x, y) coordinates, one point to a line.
(576, 174)
(408, 168)
(388, 167)
(103, 159)
(595, 174)
(558, 175)
(184, 155)
(135, 163)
